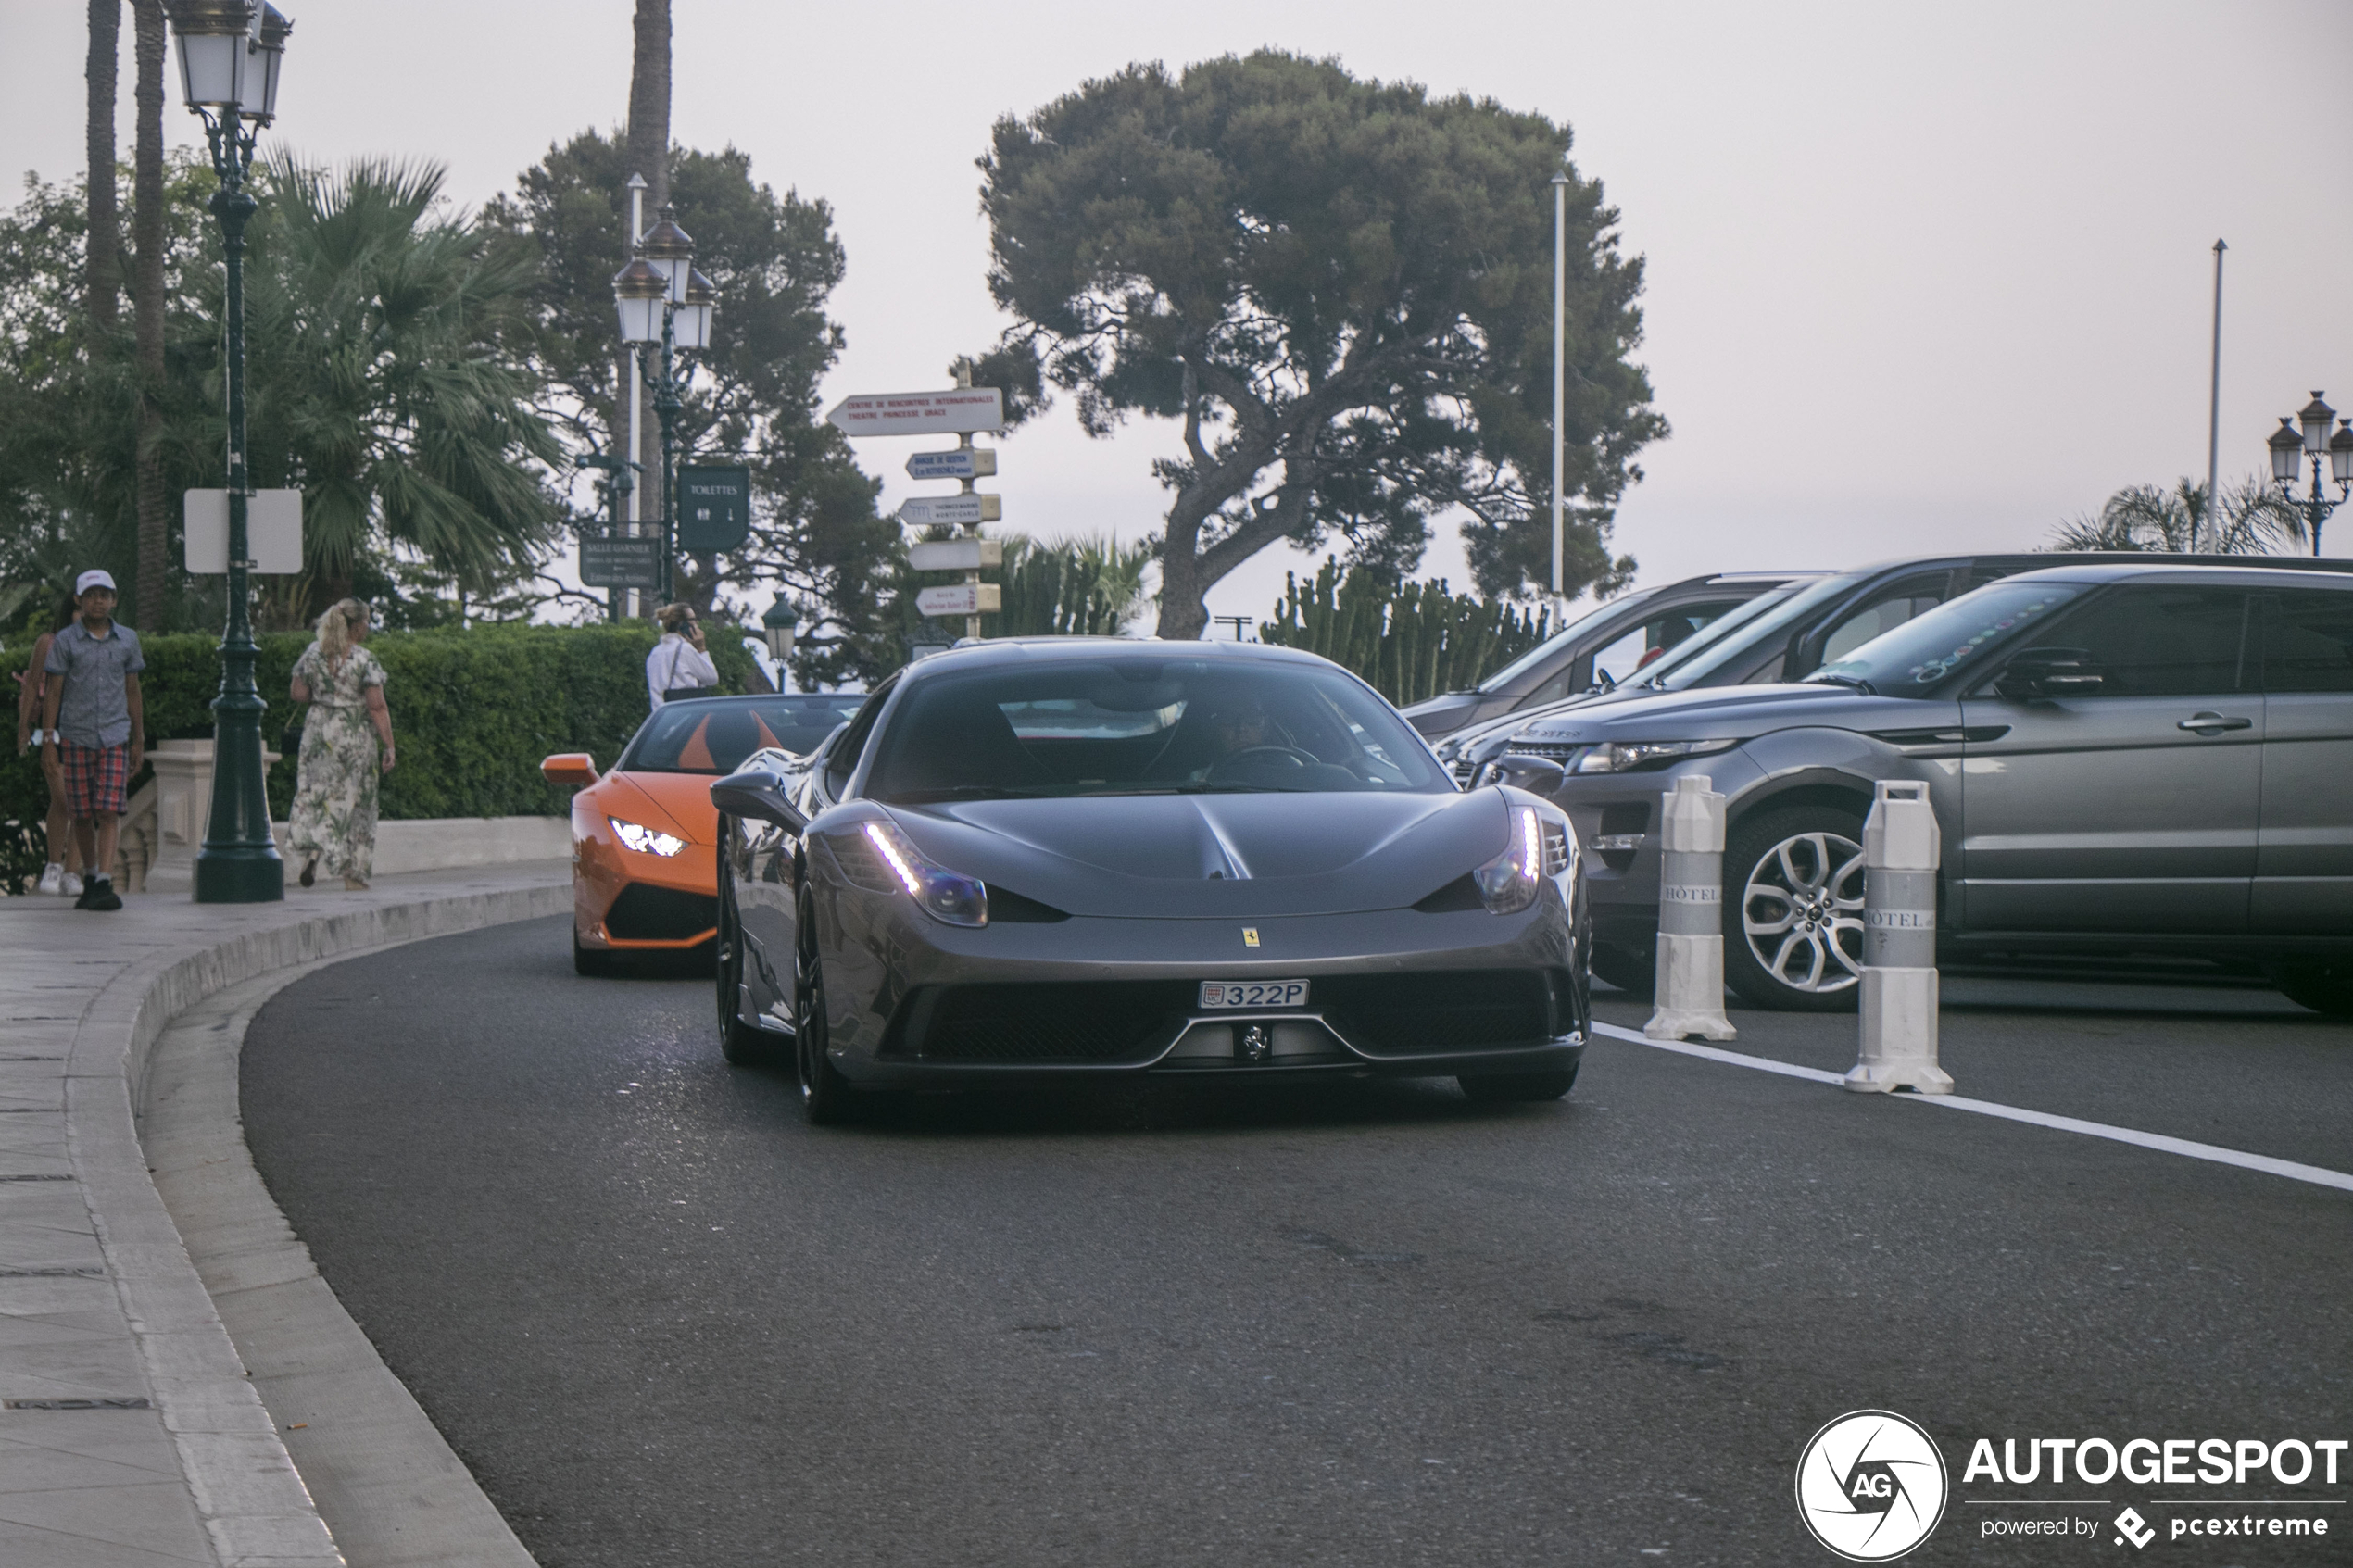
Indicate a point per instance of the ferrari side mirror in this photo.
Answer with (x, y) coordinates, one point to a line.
(1538, 775)
(759, 793)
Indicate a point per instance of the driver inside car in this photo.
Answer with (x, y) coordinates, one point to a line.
(1239, 726)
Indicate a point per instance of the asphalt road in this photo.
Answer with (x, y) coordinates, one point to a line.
(665, 1324)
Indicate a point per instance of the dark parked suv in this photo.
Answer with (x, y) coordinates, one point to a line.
(2124, 758)
(1792, 630)
(1600, 649)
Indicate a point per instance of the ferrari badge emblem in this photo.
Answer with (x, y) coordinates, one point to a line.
(1250, 936)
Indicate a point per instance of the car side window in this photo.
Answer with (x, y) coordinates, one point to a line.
(1638, 646)
(2311, 643)
(842, 760)
(2152, 640)
(1883, 613)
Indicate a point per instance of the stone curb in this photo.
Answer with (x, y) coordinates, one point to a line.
(253, 1503)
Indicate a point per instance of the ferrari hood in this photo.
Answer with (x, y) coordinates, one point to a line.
(1215, 856)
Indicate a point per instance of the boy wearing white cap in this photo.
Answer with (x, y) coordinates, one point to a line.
(94, 728)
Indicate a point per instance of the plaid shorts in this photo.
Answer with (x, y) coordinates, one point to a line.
(95, 777)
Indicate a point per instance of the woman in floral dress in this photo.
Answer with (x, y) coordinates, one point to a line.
(335, 804)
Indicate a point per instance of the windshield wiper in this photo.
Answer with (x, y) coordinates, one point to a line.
(968, 792)
(1243, 790)
(1854, 683)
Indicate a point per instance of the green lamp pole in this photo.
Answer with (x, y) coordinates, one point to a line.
(663, 300)
(230, 52)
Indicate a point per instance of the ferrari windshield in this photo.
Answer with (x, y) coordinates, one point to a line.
(715, 736)
(1134, 725)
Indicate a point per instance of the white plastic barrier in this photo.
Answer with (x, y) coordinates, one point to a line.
(1899, 1000)
(1690, 915)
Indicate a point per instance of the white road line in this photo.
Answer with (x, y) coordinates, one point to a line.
(2317, 1175)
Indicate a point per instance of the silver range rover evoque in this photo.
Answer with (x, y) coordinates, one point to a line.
(2122, 759)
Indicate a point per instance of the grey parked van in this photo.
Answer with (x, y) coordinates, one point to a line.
(2124, 758)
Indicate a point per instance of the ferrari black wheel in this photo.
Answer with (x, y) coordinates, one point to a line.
(825, 1093)
(742, 1045)
(593, 962)
(1510, 1088)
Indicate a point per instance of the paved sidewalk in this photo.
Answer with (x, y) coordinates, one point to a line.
(129, 1433)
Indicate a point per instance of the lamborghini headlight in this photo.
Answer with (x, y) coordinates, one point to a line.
(645, 840)
(1625, 755)
(1539, 850)
(945, 895)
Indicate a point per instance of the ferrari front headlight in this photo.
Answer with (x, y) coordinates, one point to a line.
(1539, 850)
(645, 840)
(945, 895)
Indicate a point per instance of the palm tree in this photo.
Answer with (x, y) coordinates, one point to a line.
(148, 261)
(379, 380)
(649, 101)
(2254, 521)
(103, 284)
(1118, 571)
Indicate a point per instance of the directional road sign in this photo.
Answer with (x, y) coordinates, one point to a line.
(958, 409)
(620, 563)
(715, 509)
(962, 598)
(957, 555)
(928, 510)
(965, 462)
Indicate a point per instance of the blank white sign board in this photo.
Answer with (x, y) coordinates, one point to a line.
(273, 531)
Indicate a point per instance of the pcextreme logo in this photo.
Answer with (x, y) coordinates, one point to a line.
(1871, 1485)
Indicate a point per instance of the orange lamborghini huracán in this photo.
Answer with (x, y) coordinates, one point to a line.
(644, 876)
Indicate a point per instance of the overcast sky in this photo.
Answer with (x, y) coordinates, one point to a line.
(1918, 277)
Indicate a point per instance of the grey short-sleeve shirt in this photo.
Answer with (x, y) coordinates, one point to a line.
(93, 710)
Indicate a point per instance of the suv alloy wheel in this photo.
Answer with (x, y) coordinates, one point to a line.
(1794, 909)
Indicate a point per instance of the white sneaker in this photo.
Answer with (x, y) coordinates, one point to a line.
(70, 885)
(52, 876)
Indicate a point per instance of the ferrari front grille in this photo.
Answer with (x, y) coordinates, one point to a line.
(1039, 1021)
(1460, 1009)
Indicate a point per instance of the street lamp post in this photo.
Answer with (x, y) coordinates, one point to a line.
(2290, 445)
(1560, 346)
(662, 299)
(230, 52)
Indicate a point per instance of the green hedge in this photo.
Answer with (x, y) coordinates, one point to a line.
(474, 712)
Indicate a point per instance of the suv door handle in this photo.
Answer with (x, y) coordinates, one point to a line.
(2211, 724)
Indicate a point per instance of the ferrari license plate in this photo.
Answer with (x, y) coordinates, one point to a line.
(1253, 993)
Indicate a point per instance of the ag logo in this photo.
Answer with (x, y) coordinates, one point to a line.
(1870, 1485)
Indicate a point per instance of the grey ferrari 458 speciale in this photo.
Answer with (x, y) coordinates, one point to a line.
(1089, 856)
